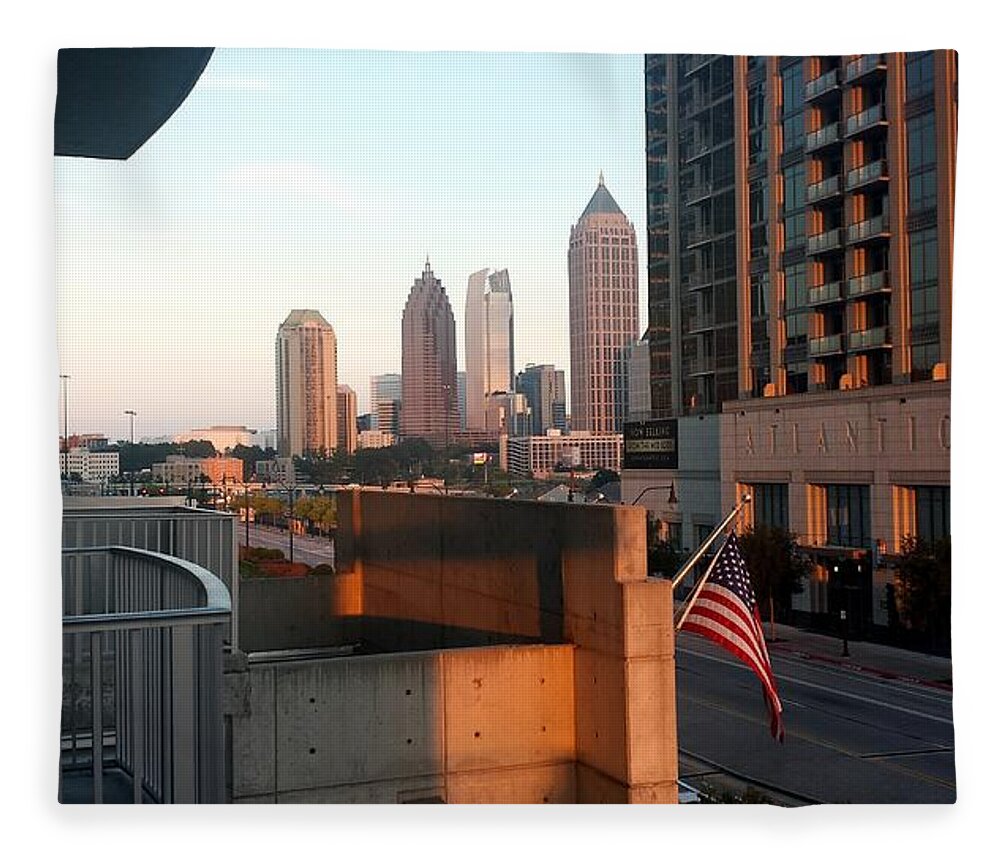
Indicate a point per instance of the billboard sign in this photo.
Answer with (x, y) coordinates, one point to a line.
(650, 444)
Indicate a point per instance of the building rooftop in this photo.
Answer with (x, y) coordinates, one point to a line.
(602, 203)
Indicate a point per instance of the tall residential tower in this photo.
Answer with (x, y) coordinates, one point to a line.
(603, 312)
(306, 385)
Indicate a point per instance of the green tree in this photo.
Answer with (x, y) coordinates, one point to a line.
(776, 566)
(661, 556)
(602, 477)
(923, 589)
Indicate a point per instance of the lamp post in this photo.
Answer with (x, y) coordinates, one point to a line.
(843, 612)
(246, 511)
(65, 446)
(131, 441)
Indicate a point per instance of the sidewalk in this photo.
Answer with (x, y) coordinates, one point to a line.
(878, 660)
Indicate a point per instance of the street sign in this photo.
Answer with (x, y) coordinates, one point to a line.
(650, 444)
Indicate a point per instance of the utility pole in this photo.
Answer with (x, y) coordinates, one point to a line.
(246, 511)
(131, 441)
(291, 508)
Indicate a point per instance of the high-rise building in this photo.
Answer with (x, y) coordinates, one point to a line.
(603, 312)
(347, 419)
(800, 223)
(306, 364)
(544, 387)
(489, 341)
(387, 416)
(430, 385)
(385, 386)
(637, 372)
(462, 389)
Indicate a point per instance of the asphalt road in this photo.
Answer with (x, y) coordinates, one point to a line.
(849, 737)
(311, 550)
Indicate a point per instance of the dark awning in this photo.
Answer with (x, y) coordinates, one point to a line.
(110, 101)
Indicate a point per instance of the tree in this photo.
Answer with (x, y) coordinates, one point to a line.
(601, 477)
(661, 555)
(923, 588)
(776, 566)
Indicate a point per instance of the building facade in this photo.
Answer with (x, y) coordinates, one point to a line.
(347, 419)
(385, 386)
(800, 215)
(603, 312)
(637, 372)
(90, 464)
(222, 437)
(489, 342)
(306, 365)
(180, 470)
(540, 456)
(545, 389)
(375, 439)
(429, 408)
(508, 413)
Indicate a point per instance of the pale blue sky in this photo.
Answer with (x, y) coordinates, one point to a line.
(321, 179)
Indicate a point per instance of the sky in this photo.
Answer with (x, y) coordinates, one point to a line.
(323, 180)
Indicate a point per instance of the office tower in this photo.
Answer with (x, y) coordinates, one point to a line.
(385, 386)
(462, 404)
(603, 312)
(800, 223)
(544, 387)
(387, 416)
(306, 363)
(637, 364)
(429, 407)
(347, 419)
(489, 341)
(508, 413)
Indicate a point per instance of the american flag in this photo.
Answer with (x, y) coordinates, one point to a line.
(725, 611)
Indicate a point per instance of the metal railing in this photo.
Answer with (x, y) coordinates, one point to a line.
(870, 338)
(823, 84)
(876, 282)
(826, 293)
(866, 119)
(868, 229)
(142, 677)
(828, 187)
(828, 241)
(827, 345)
(825, 136)
(863, 65)
(871, 172)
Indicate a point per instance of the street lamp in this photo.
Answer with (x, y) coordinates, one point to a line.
(671, 499)
(131, 441)
(843, 612)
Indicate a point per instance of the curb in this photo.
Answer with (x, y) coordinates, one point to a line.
(856, 667)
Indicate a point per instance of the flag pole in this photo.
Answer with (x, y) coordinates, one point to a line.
(689, 604)
(688, 566)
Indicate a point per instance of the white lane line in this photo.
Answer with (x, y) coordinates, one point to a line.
(832, 691)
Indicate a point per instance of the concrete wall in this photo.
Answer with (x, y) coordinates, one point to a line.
(474, 725)
(547, 572)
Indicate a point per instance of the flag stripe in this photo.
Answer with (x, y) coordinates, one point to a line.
(720, 633)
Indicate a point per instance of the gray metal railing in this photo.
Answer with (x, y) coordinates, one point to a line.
(142, 676)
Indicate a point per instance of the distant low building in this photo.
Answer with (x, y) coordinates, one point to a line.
(376, 439)
(178, 469)
(90, 465)
(540, 456)
(223, 437)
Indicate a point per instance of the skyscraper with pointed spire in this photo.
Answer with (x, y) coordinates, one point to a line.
(429, 408)
(603, 312)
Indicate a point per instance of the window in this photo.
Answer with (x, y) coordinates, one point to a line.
(848, 515)
(919, 74)
(792, 89)
(770, 505)
(933, 513)
(923, 278)
(794, 179)
(921, 154)
(796, 291)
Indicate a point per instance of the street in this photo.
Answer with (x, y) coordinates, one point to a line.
(850, 736)
(307, 549)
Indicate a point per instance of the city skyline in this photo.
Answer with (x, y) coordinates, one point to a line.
(268, 207)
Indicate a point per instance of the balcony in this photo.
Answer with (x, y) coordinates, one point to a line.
(825, 294)
(866, 120)
(864, 66)
(699, 235)
(699, 280)
(865, 231)
(864, 285)
(698, 148)
(829, 187)
(831, 344)
(700, 323)
(696, 62)
(142, 637)
(871, 338)
(697, 192)
(874, 171)
(822, 243)
(823, 85)
(824, 137)
(702, 365)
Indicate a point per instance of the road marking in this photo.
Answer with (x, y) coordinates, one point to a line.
(842, 693)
